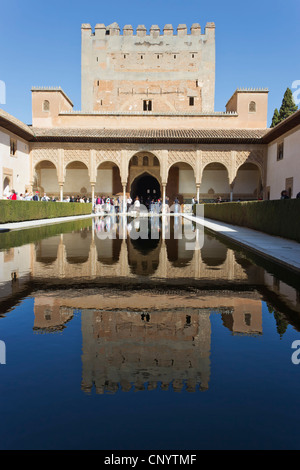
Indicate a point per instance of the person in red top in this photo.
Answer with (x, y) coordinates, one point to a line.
(14, 195)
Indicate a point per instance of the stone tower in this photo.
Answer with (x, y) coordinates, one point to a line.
(159, 72)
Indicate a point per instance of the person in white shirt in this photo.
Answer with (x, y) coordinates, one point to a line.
(137, 205)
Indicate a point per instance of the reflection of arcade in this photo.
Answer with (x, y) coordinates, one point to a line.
(99, 253)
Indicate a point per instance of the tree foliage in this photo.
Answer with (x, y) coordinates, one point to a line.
(275, 119)
(288, 107)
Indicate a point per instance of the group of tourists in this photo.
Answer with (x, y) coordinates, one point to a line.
(35, 196)
(284, 195)
(108, 205)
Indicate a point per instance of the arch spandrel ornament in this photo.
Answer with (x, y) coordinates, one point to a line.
(218, 156)
(252, 156)
(182, 156)
(103, 156)
(78, 155)
(42, 154)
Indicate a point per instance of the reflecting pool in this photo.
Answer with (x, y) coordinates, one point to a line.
(178, 340)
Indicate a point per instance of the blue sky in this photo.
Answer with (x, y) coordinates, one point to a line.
(257, 43)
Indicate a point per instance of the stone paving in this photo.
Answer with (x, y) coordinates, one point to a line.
(281, 250)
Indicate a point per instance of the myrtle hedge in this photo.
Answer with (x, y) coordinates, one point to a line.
(19, 211)
(279, 217)
(12, 238)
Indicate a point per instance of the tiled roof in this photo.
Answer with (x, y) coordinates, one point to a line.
(12, 124)
(287, 125)
(157, 135)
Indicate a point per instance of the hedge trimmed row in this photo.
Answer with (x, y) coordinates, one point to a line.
(19, 211)
(280, 217)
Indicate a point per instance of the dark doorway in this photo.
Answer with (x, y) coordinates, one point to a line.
(145, 186)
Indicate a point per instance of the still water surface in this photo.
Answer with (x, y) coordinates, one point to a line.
(144, 344)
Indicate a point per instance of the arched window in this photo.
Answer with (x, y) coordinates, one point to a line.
(145, 161)
(155, 161)
(252, 107)
(134, 160)
(46, 105)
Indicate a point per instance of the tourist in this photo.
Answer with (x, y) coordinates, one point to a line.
(284, 195)
(177, 206)
(45, 198)
(129, 202)
(28, 196)
(117, 204)
(36, 196)
(98, 202)
(137, 205)
(13, 196)
(107, 205)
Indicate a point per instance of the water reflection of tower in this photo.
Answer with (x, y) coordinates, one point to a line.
(143, 350)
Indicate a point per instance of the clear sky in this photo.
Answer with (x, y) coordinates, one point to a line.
(257, 43)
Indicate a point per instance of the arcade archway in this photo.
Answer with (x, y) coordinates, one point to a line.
(146, 187)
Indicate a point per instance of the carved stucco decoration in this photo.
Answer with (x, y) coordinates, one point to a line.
(218, 156)
(113, 156)
(78, 155)
(43, 153)
(182, 156)
(251, 156)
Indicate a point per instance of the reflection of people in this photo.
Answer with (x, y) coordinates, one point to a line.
(284, 195)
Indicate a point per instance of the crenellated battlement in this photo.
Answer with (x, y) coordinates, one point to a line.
(141, 31)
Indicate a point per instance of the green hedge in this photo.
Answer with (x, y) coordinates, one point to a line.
(279, 217)
(19, 211)
(14, 238)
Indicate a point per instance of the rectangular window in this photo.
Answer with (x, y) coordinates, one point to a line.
(280, 151)
(192, 101)
(247, 319)
(13, 147)
(147, 105)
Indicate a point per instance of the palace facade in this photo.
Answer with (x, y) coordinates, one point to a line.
(147, 126)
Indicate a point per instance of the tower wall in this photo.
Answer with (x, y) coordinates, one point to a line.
(124, 72)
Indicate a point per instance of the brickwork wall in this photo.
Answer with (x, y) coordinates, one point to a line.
(174, 71)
